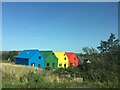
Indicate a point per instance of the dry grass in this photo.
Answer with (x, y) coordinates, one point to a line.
(13, 74)
(16, 69)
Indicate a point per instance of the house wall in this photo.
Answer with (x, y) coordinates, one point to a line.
(61, 56)
(21, 61)
(51, 59)
(35, 59)
(71, 60)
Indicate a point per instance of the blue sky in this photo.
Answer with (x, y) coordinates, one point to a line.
(57, 26)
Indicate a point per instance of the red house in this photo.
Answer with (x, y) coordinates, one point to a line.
(73, 60)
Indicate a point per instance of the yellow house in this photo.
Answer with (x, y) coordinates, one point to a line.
(62, 59)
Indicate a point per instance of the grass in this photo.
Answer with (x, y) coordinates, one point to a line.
(18, 76)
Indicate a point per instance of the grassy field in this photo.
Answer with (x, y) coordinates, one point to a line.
(18, 76)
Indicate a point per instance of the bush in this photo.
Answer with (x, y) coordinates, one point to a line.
(47, 68)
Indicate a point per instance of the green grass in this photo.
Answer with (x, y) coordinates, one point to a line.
(18, 76)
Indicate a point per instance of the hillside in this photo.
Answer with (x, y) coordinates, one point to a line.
(18, 76)
(29, 77)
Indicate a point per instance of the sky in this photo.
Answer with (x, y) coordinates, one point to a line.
(65, 26)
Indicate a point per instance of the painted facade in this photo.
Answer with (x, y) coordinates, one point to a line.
(72, 59)
(50, 59)
(62, 59)
(31, 58)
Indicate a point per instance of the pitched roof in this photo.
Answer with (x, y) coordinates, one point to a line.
(59, 54)
(69, 53)
(46, 53)
(26, 53)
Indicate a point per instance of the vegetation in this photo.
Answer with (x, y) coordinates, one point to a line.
(104, 65)
(9, 56)
(28, 77)
(102, 72)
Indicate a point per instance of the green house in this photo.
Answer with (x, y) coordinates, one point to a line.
(50, 59)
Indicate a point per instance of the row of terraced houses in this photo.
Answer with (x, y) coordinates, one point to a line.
(43, 59)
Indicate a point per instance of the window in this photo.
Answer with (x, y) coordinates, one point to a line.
(65, 58)
(64, 65)
(53, 65)
(60, 64)
(39, 57)
(64, 54)
(33, 64)
(74, 58)
(38, 65)
(48, 64)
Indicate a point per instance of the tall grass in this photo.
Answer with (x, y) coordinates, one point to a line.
(18, 76)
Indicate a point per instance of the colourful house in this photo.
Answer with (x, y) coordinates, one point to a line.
(50, 59)
(31, 58)
(72, 59)
(62, 59)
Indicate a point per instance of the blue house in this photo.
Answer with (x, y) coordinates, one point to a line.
(31, 58)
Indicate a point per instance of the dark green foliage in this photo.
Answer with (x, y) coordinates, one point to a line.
(60, 72)
(9, 54)
(47, 68)
(70, 72)
(104, 65)
(109, 45)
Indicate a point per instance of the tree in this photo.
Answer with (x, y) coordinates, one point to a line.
(89, 51)
(10, 54)
(104, 65)
(106, 46)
